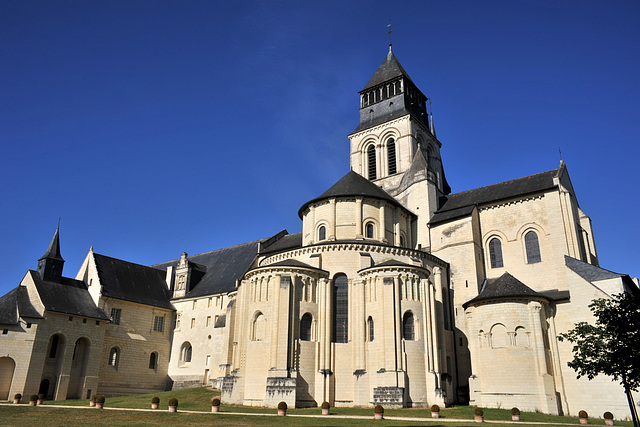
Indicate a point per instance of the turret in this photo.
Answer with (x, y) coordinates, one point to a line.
(51, 264)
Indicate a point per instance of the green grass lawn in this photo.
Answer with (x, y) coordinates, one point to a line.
(198, 399)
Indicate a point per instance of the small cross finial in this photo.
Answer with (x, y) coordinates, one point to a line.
(560, 152)
(389, 31)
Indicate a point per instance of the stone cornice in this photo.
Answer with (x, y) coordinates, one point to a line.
(351, 246)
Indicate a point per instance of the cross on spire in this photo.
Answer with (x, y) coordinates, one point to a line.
(389, 31)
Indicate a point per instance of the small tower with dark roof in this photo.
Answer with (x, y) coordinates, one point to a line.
(394, 125)
(51, 264)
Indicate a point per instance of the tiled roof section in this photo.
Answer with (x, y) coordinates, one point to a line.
(290, 241)
(69, 297)
(223, 268)
(389, 69)
(493, 193)
(133, 282)
(589, 272)
(9, 308)
(353, 185)
(291, 263)
(505, 286)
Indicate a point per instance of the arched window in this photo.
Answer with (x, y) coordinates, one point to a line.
(322, 233)
(53, 347)
(371, 162)
(114, 357)
(499, 336)
(402, 242)
(305, 327)
(391, 156)
(370, 328)
(259, 327)
(495, 253)
(532, 247)
(186, 352)
(408, 327)
(369, 230)
(340, 309)
(153, 360)
(521, 337)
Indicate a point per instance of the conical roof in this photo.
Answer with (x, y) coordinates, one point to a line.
(53, 251)
(505, 286)
(352, 185)
(389, 69)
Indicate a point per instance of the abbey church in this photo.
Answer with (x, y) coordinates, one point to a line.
(396, 291)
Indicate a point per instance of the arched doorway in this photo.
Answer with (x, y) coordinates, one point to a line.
(44, 388)
(7, 367)
(79, 364)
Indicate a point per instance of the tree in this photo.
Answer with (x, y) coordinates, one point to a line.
(611, 346)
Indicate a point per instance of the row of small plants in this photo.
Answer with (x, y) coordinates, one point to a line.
(98, 401)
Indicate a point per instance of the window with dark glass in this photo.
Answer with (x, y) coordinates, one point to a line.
(158, 323)
(371, 160)
(408, 327)
(368, 230)
(322, 233)
(153, 360)
(391, 154)
(305, 327)
(370, 328)
(495, 253)
(115, 315)
(532, 247)
(185, 352)
(114, 355)
(340, 309)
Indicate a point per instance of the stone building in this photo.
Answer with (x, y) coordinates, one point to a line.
(396, 291)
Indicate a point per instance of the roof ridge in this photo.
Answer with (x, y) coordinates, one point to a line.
(125, 261)
(505, 182)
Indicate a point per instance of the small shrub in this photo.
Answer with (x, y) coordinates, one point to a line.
(583, 414)
(515, 411)
(607, 415)
(378, 409)
(33, 398)
(18, 396)
(435, 408)
(325, 405)
(478, 412)
(155, 399)
(282, 406)
(100, 399)
(173, 402)
(215, 402)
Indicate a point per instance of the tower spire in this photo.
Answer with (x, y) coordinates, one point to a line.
(51, 263)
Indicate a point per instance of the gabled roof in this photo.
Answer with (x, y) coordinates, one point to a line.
(505, 286)
(353, 185)
(16, 304)
(132, 282)
(70, 296)
(389, 69)
(223, 268)
(592, 273)
(493, 193)
(289, 241)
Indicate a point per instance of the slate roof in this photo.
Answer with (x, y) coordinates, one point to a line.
(389, 69)
(492, 193)
(589, 272)
(289, 241)
(16, 304)
(505, 286)
(133, 282)
(392, 263)
(70, 296)
(353, 185)
(223, 268)
(53, 251)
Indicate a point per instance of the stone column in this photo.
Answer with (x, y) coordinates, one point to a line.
(332, 223)
(358, 221)
(383, 219)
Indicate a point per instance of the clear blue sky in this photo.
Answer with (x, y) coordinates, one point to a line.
(156, 127)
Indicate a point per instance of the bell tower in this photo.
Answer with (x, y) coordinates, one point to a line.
(51, 263)
(394, 125)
